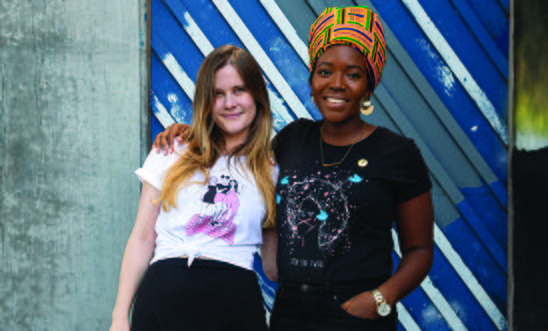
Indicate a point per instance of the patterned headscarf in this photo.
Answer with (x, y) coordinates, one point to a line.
(358, 27)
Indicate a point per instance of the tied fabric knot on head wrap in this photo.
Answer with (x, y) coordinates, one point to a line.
(358, 27)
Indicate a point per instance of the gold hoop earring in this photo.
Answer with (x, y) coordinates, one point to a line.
(366, 108)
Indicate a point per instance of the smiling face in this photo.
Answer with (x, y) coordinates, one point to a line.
(340, 84)
(234, 109)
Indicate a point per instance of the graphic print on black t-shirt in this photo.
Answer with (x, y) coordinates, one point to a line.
(335, 222)
(317, 214)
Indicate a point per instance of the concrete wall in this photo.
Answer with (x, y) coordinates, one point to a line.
(73, 96)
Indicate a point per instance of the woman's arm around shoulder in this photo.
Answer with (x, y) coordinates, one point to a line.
(138, 253)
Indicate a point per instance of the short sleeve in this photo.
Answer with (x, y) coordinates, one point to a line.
(412, 178)
(156, 164)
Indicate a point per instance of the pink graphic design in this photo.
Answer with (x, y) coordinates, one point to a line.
(220, 203)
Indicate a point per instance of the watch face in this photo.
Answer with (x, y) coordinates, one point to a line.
(384, 309)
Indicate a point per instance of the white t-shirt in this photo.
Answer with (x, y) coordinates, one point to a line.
(221, 220)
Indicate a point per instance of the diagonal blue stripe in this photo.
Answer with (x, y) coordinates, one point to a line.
(491, 49)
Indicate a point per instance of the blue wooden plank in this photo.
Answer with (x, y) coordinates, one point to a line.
(155, 127)
(489, 242)
(487, 217)
(445, 85)
(458, 68)
(175, 40)
(160, 111)
(431, 129)
(166, 88)
(212, 23)
(499, 58)
(500, 192)
(494, 15)
(169, 92)
(421, 309)
(505, 4)
(491, 278)
(470, 53)
(491, 212)
(458, 295)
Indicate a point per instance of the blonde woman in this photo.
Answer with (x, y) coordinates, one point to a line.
(186, 270)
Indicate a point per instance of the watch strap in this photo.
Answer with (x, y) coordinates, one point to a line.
(383, 308)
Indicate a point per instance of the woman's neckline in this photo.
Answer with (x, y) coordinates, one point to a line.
(375, 128)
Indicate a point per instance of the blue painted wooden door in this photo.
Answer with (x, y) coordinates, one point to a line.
(445, 85)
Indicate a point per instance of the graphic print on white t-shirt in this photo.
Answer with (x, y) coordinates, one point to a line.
(219, 204)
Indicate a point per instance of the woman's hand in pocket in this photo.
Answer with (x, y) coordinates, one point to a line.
(361, 305)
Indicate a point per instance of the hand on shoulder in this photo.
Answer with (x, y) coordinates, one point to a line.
(165, 141)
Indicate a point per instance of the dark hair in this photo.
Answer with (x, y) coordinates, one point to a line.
(235, 186)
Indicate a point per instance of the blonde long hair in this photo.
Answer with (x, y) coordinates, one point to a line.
(205, 141)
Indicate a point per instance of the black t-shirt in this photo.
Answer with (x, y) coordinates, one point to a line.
(335, 222)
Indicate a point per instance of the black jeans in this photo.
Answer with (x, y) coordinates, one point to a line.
(210, 295)
(307, 307)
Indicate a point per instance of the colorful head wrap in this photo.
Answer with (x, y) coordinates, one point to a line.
(358, 27)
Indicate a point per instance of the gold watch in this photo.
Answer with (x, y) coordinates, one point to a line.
(383, 308)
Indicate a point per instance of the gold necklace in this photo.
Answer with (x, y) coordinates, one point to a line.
(334, 163)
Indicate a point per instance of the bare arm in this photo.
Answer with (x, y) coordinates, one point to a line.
(165, 140)
(139, 251)
(415, 225)
(268, 252)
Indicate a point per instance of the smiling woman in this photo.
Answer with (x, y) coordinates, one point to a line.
(343, 183)
(340, 67)
(234, 108)
(203, 209)
(340, 85)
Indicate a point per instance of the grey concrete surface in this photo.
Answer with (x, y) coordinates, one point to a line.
(73, 96)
